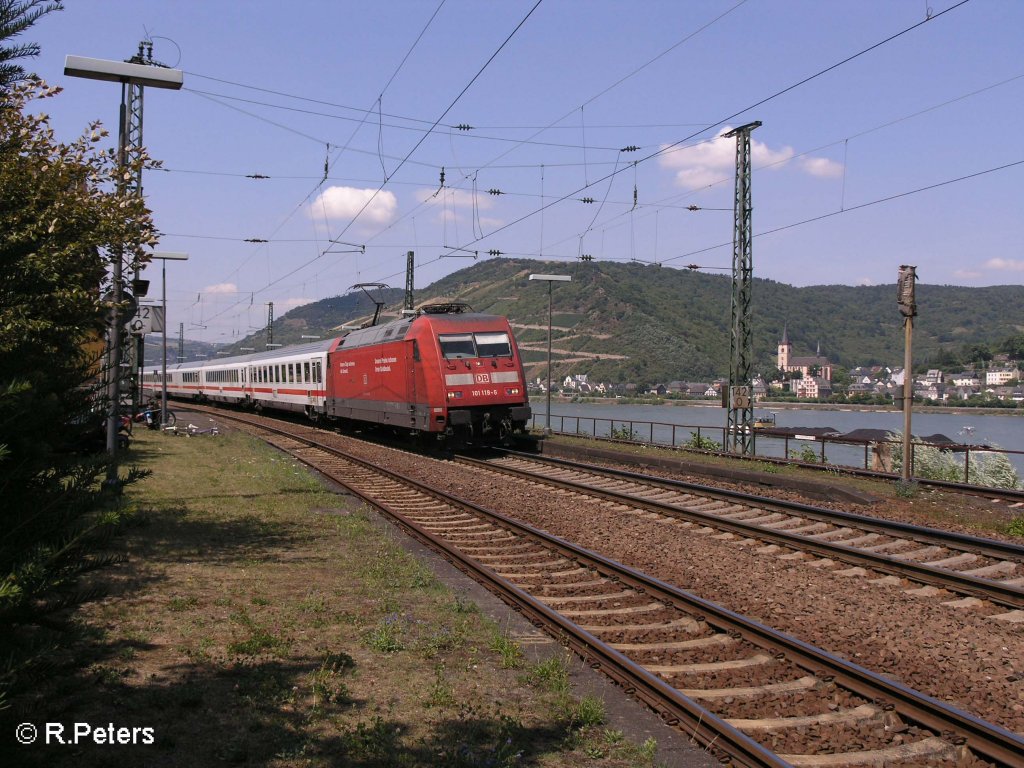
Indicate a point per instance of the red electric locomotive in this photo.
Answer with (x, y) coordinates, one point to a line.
(444, 371)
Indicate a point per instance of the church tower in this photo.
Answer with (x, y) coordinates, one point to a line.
(785, 348)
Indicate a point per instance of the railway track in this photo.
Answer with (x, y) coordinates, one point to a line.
(1012, 498)
(754, 696)
(978, 568)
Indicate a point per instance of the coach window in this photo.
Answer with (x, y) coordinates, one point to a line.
(493, 345)
(305, 369)
(316, 371)
(457, 345)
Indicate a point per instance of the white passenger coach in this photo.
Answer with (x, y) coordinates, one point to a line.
(288, 379)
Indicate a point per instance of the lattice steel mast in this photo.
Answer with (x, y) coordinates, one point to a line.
(130, 152)
(740, 426)
(410, 265)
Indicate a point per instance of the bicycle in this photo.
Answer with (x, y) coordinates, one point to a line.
(151, 416)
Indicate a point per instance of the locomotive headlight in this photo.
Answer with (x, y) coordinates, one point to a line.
(511, 390)
(454, 395)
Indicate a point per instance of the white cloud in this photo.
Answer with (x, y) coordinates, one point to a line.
(1006, 265)
(821, 167)
(221, 288)
(966, 274)
(346, 202)
(715, 160)
(293, 303)
(865, 281)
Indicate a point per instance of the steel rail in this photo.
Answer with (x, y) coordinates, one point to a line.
(673, 707)
(987, 739)
(986, 589)
(976, 544)
(985, 491)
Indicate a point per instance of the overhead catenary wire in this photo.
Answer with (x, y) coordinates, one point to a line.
(744, 110)
(651, 206)
(475, 77)
(657, 205)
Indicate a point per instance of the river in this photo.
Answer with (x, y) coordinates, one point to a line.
(1004, 431)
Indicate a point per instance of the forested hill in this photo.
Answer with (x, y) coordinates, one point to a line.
(646, 324)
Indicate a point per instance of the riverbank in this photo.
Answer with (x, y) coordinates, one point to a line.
(789, 405)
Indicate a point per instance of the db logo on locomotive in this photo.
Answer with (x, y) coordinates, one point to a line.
(483, 378)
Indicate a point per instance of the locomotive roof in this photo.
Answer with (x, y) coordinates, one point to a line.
(392, 331)
(397, 329)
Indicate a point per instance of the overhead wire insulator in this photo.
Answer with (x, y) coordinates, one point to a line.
(256, 240)
(587, 200)
(256, 176)
(693, 266)
(495, 252)
(630, 148)
(495, 192)
(463, 127)
(586, 257)
(693, 208)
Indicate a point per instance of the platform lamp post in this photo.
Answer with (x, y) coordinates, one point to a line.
(164, 258)
(129, 76)
(550, 279)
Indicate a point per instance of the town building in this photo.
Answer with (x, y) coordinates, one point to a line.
(817, 367)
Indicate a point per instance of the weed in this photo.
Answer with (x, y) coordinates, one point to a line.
(511, 653)
(461, 604)
(443, 640)
(649, 749)
(623, 433)
(325, 682)
(806, 454)
(1016, 527)
(259, 638)
(260, 601)
(386, 636)
(181, 604)
(550, 675)
(372, 743)
(700, 443)
(612, 736)
(587, 712)
(314, 602)
(441, 695)
(906, 489)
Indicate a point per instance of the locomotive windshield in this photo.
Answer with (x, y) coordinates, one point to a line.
(455, 346)
(493, 345)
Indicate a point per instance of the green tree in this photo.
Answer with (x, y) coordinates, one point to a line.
(61, 222)
(1014, 346)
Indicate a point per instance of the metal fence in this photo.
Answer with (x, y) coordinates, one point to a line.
(818, 449)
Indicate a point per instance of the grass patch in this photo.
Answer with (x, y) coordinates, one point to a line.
(507, 648)
(251, 627)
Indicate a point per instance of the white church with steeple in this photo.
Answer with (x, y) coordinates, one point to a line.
(805, 365)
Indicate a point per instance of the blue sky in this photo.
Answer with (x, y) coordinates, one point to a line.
(278, 92)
